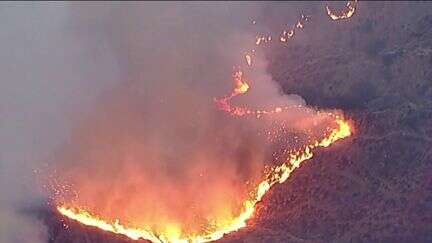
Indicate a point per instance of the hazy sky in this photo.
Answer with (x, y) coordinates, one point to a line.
(62, 63)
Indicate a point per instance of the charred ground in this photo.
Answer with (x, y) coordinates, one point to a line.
(374, 186)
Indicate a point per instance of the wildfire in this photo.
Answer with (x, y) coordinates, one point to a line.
(348, 13)
(262, 39)
(241, 86)
(288, 34)
(248, 59)
(277, 174)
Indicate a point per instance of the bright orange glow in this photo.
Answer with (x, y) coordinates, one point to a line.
(175, 232)
(262, 39)
(248, 59)
(241, 85)
(288, 34)
(172, 233)
(346, 14)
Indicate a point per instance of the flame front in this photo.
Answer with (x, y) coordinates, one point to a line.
(276, 174)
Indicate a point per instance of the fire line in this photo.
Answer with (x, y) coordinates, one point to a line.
(277, 174)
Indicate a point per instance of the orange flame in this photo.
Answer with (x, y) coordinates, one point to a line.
(172, 233)
(348, 13)
(288, 34)
(262, 39)
(277, 174)
(241, 87)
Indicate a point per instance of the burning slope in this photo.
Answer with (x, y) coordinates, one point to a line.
(337, 129)
(278, 174)
(288, 34)
(331, 128)
(325, 128)
(241, 87)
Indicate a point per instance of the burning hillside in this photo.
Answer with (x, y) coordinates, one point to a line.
(214, 185)
(192, 131)
(184, 147)
(175, 233)
(226, 198)
(227, 222)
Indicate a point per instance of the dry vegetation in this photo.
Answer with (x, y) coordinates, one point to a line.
(375, 186)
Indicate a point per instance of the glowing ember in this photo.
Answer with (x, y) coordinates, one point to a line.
(348, 13)
(248, 59)
(261, 39)
(241, 87)
(288, 34)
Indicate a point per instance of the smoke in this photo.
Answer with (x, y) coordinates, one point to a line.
(49, 72)
(118, 99)
(157, 137)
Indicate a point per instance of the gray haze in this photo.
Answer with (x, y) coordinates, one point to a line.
(50, 69)
(74, 73)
